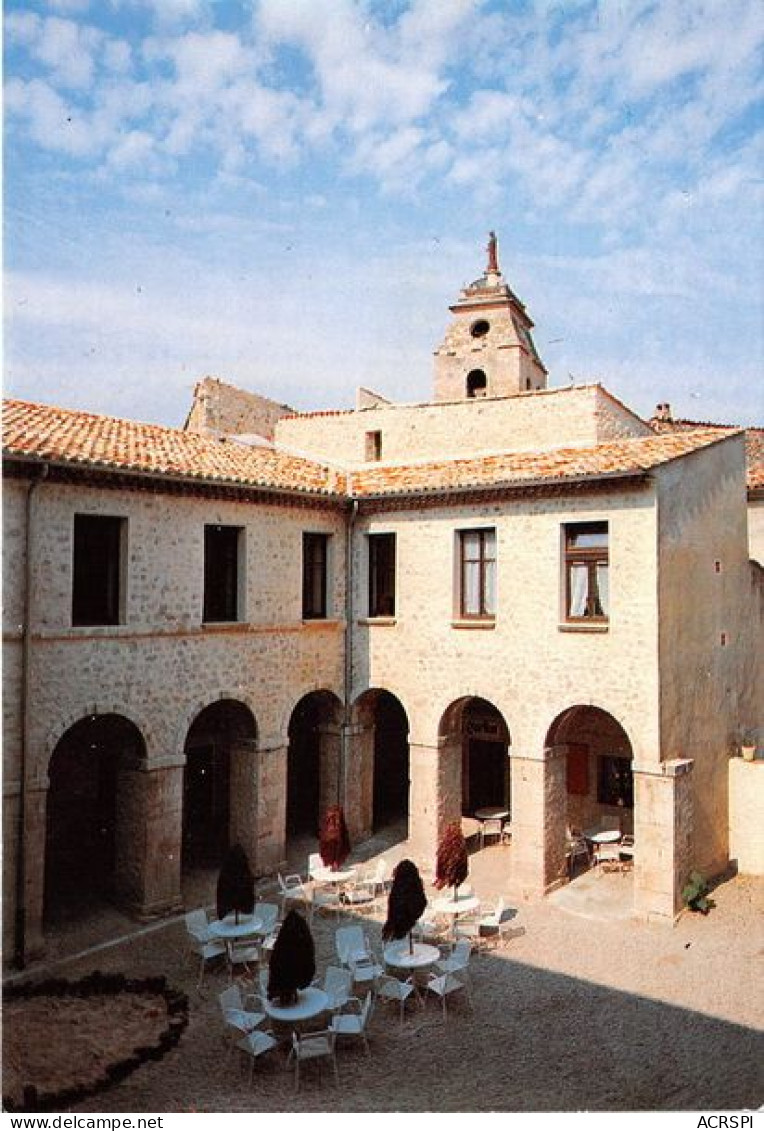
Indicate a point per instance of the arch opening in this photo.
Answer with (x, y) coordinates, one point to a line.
(313, 763)
(477, 383)
(89, 823)
(478, 731)
(216, 749)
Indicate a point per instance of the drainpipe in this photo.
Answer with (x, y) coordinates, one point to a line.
(26, 656)
(342, 769)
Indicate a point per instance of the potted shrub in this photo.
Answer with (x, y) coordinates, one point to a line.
(748, 745)
(293, 961)
(452, 860)
(334, 840)
(236, 885)
(405, 903)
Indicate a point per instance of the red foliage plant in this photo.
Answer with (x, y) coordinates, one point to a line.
(334, 839)
(452, 861)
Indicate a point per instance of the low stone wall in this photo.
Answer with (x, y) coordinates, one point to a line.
(746, 808)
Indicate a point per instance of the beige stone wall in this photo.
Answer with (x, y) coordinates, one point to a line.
(710, 631)
(219, 407)
(162, 666)
(547, 419)
(756, 530)
(746, 822)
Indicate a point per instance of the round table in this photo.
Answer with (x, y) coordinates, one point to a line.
(228, 928)
(491, 813)
(310, 1002)
(605, 836)
(460, 906)
(327, 876)
(398, 954)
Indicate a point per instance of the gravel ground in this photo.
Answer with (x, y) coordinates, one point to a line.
(574, 1013)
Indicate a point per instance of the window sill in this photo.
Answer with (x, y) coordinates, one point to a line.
(319, 622)
(600, 626)
(478, 622)
(378, 622)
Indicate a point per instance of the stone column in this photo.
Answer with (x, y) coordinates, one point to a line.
(242, 798)
(34, 873)
(538, 820)
(11, 808)
(435, 797)
(358, 800)
(271, 794)
(663, 818)
(329, 764)
(148, 836)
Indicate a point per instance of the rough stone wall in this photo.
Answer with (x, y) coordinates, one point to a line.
(222, 408)
(163, 666)
(746, 808)
(710, 631)
(756, 530)
(550, 418)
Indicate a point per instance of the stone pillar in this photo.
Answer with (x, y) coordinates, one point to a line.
(329, 766)
(435, 796)
(271, 794)
(148, 836)
(34, 857)
(11, 807)
(242, 798)
(663, 836)
(538, 821)
(358, 800)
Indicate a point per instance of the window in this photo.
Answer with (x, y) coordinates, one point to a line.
(373, 446)
(477, 573)
(314, 574)
(480, 328)
(381, 575)
(586, 571)
(97, 569)
(476, 383)
(221, 573)
(615, 783)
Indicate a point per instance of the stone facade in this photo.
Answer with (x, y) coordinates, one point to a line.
(401, 711)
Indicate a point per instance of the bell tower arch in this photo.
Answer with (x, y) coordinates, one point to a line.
(488, 349)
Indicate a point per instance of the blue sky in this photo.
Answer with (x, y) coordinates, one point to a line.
(288, 194)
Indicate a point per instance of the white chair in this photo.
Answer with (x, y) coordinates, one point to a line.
(205, 946)
(338, 985)
(351, 945)
(458, 961)
(626, 846)
(365, 971)
(444, 984)
(432, 928)
(354, 1024)
(254, 1044)
(243, 952)
(313, 1046)
(325, 900)
(292, 890)
(315, 865)
(506, 831)
(362, 894)
(492, 826)
(380, 875)
(390, 988)
(606, 854)
(268, 914)
(577, 849)
(487, 928)
(235, 1015)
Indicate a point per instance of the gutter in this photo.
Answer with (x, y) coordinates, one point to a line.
(342, 769)
(26, 664)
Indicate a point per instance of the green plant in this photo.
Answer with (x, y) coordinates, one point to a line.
(695, 893)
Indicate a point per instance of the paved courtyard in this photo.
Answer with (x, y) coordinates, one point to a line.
(584, 1008)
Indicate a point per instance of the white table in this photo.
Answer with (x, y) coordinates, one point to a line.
(603, 836)
(228, 929)
(327, 876)
(310, 1002)
(399, 954)
(492, 813)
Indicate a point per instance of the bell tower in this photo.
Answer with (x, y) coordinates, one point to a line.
(488, 350)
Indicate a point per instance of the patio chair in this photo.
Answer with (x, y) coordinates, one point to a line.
(577, 849)
(351, 945)
(315, 1046)
(626, 847)
(379, 876)
(235, 1015)
(390, 988)
(338, 984)
(506, 831)
(205, 946)
(492, 826)
(487, 928)
(607, 857)
(315, 864)
(361, 894)
(366, 971)
(292, 890)
(254, 1044)
(444, 984)
(354, 1024)
(243, 952)
(432, 927)
(457, 961)
(325, 900)
(268, 914)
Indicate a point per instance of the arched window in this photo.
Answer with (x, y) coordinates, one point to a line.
(476, 383)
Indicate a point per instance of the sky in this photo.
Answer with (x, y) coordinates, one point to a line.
(288, 194)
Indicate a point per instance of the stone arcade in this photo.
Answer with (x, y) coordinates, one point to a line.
(511, 594)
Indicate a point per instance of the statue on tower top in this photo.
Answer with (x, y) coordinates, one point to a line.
(493, 257)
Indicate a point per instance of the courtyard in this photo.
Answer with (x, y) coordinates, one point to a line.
(583, 1008)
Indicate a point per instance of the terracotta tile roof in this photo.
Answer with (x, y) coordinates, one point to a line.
(42, 432)
(754, 443)
(616, 457)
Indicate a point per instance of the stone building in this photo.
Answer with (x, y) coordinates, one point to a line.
(510, 595)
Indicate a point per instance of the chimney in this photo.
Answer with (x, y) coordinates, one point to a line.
(663, 412)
